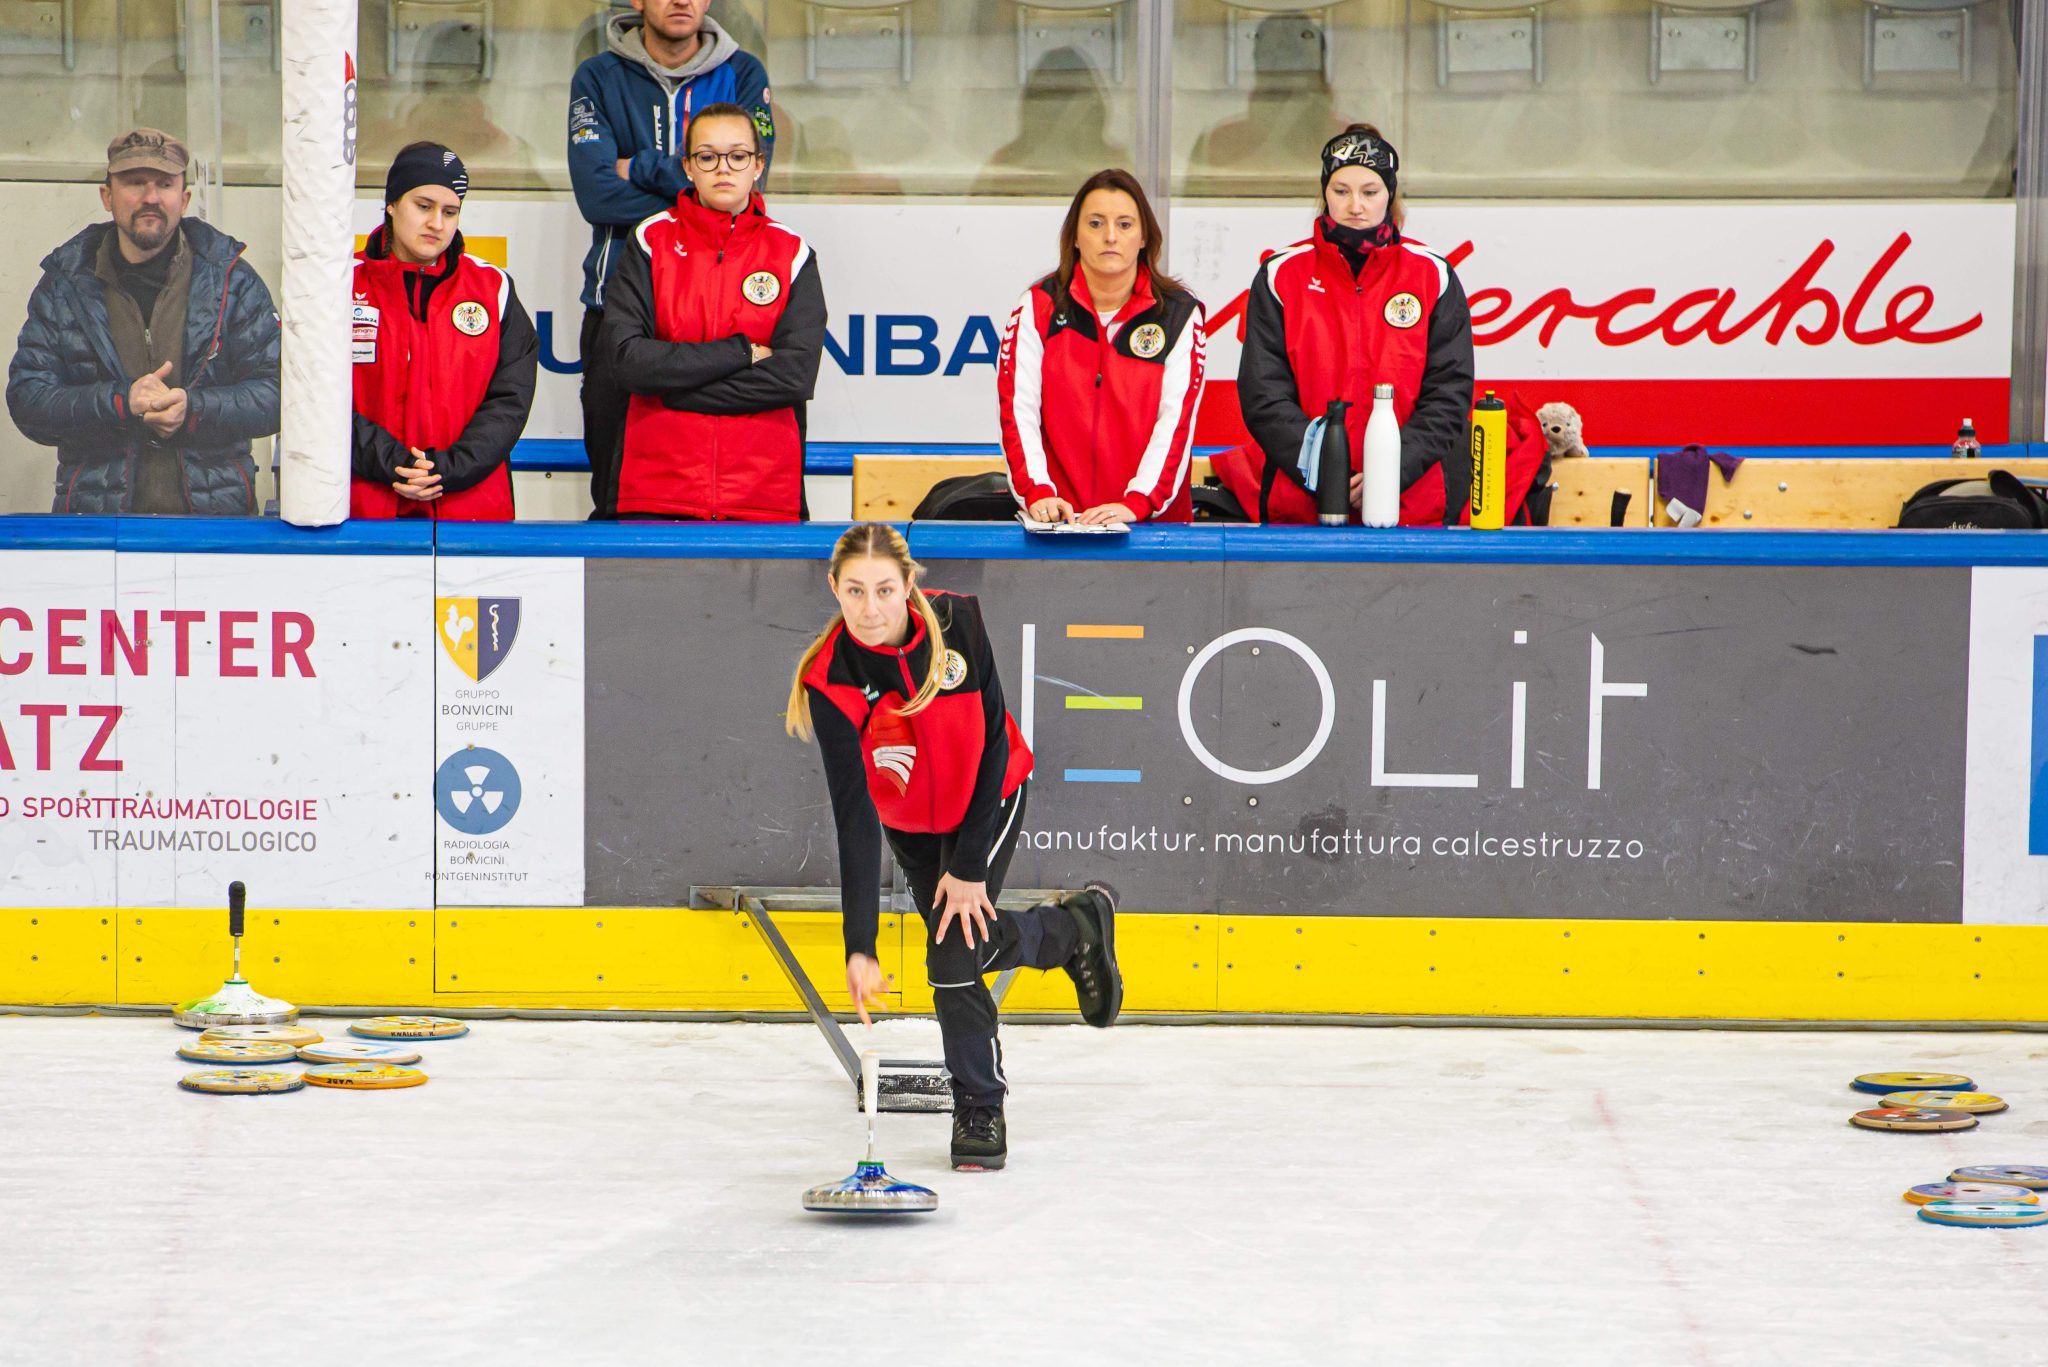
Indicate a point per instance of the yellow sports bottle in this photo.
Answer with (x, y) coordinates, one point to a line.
(1489, 462)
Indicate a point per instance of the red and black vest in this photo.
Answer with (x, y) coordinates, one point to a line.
(1097, 418)
(715, 275)
(920, 768)
(422, 379)
(1344, 335)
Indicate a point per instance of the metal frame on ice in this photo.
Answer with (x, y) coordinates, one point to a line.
(906, 1084)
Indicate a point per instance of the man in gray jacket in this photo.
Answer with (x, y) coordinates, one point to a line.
(149, 358)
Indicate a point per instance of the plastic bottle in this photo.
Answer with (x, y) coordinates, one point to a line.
(1333, 467)
(1489, 463)
(1966, 445)
(1381, 504)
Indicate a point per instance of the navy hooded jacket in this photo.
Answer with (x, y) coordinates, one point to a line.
(66, 387)
(619, 108)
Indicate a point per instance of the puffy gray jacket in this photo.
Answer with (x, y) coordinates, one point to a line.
(66, 387)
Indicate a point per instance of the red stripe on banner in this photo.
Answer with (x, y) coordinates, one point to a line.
(1727, 412)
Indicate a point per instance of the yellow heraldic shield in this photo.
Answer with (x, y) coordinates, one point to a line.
(477, 633)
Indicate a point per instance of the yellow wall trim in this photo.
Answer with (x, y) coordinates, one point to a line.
(686, 960)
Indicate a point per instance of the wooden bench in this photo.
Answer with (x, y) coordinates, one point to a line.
(1860, 493)
(887, 488)
(1582, 491)
(1853, 492)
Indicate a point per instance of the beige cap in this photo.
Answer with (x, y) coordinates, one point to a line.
(150, 148)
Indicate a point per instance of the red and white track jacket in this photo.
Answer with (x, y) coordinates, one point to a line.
(1095, 414)
(444, 360)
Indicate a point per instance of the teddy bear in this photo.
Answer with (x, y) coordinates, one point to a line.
(1563, 431)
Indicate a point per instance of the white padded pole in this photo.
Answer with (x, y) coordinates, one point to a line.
(318, 41)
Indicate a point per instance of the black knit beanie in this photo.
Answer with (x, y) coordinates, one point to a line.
(426, 163)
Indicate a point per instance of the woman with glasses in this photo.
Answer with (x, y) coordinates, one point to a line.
(714, 324)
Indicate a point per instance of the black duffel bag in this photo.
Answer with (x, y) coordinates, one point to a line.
(968, 498)
(1998, 501)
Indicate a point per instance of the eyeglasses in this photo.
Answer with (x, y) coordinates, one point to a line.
(706, 160)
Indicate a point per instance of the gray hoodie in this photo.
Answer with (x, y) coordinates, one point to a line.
(714, 45)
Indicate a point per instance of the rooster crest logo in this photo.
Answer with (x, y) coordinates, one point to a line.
(477, 633)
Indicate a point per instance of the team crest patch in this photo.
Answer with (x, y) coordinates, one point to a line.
(1404, 311)
(471, 318)
(761, 287)
(954, 672)
(1148, 341)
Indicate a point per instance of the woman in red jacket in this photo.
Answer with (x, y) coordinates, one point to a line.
(1355, 305)
(714, 322)
(444, 357)
(902, 694)
(1101, 370)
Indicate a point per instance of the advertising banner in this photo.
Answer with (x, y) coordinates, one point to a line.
(1629, 742)
(1455, 740)
(508, 778)
(1769, 324)
(2005, 870)
(170, 723)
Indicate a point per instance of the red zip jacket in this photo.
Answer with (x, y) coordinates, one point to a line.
(444, 359)
(947, 769)
(708, 433)
(1314, 332)
(1099, 415)
(921, 769)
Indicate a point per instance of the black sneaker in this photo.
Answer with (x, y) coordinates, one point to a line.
(1098, 985)
(980, 1143)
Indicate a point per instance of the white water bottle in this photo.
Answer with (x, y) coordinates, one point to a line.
(1381, 504)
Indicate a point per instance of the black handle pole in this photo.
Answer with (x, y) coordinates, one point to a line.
(237, 897)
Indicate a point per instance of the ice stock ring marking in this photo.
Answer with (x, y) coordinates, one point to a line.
(1323, 684)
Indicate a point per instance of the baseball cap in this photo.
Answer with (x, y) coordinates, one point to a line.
(150, 148)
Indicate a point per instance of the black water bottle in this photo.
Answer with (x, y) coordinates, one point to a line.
(1333, 468)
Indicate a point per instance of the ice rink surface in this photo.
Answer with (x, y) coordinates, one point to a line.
(611, 1192)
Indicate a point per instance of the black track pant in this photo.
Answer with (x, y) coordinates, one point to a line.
(604, 421)
(1043, 937)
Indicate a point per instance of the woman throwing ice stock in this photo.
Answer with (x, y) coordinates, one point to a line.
(902, 695)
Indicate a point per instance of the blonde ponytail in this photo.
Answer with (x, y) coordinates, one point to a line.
(935, 669)
(879, 541)
(796, 717)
